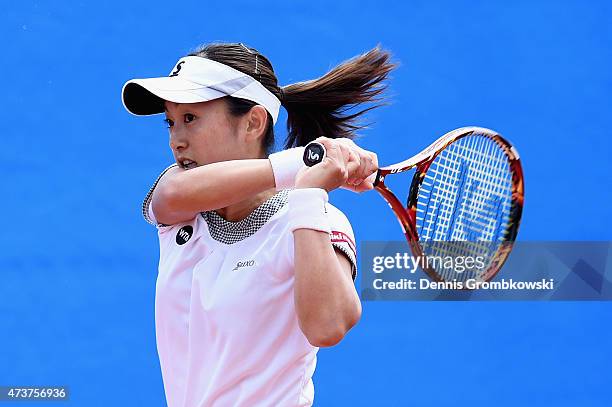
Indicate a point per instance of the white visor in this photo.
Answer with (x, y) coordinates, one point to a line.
(193, 80)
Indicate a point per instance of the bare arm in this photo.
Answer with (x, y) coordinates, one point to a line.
(327, 304)
(181, 194)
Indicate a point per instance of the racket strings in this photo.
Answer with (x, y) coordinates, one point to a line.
(465, 197)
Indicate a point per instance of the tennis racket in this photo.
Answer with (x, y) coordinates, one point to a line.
(465, 200)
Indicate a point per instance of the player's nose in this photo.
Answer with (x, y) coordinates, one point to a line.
(177, 140)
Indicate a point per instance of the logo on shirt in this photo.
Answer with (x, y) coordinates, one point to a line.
(184, 234)
(242, 264)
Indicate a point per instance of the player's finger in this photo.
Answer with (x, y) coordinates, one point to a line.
(364, 165)
(345, 152)
(337, 156)
(354, 165)
(366, 185)
(371, 167)
(353, 168)
(374, 160)
(356, 172)
(368, 160)
(332, 150)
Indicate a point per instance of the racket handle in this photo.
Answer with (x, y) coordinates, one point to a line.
(314, 153)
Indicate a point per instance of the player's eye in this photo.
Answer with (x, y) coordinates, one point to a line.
(189, 117)
(169, 123)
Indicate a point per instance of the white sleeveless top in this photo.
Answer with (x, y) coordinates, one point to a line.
(226, 327)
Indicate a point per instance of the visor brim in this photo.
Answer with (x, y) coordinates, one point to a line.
(147, 96)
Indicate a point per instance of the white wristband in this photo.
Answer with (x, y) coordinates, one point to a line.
(307, 209)
(285, 166)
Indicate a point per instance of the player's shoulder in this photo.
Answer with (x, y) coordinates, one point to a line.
(147, 210)
(336, 214)
(340, 226)
(342, 235)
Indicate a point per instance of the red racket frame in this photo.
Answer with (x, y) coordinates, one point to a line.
(407, 214)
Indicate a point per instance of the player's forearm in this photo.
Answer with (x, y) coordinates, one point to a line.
(216, 185)
(325, 299)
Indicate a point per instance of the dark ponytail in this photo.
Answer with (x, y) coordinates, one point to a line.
(318, 107)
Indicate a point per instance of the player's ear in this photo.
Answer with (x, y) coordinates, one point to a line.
(257, 121)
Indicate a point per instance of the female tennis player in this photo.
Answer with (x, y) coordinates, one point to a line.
(256, 268)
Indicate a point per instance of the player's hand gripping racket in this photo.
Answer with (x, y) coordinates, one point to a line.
(468, 190)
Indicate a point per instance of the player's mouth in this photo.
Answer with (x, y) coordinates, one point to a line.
(187, 164)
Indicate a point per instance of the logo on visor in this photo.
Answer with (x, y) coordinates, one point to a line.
(177, 69)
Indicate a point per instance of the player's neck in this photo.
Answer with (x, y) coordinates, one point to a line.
(241, 210)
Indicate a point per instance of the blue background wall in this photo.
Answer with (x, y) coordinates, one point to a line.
(78, 263)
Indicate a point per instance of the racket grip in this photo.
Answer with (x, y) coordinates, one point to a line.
(314, 153)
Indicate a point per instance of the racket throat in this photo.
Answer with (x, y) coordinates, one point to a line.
(406, 217)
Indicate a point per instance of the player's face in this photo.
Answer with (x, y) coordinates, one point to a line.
(203, 133)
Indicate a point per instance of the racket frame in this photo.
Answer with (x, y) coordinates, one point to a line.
(406, 215)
